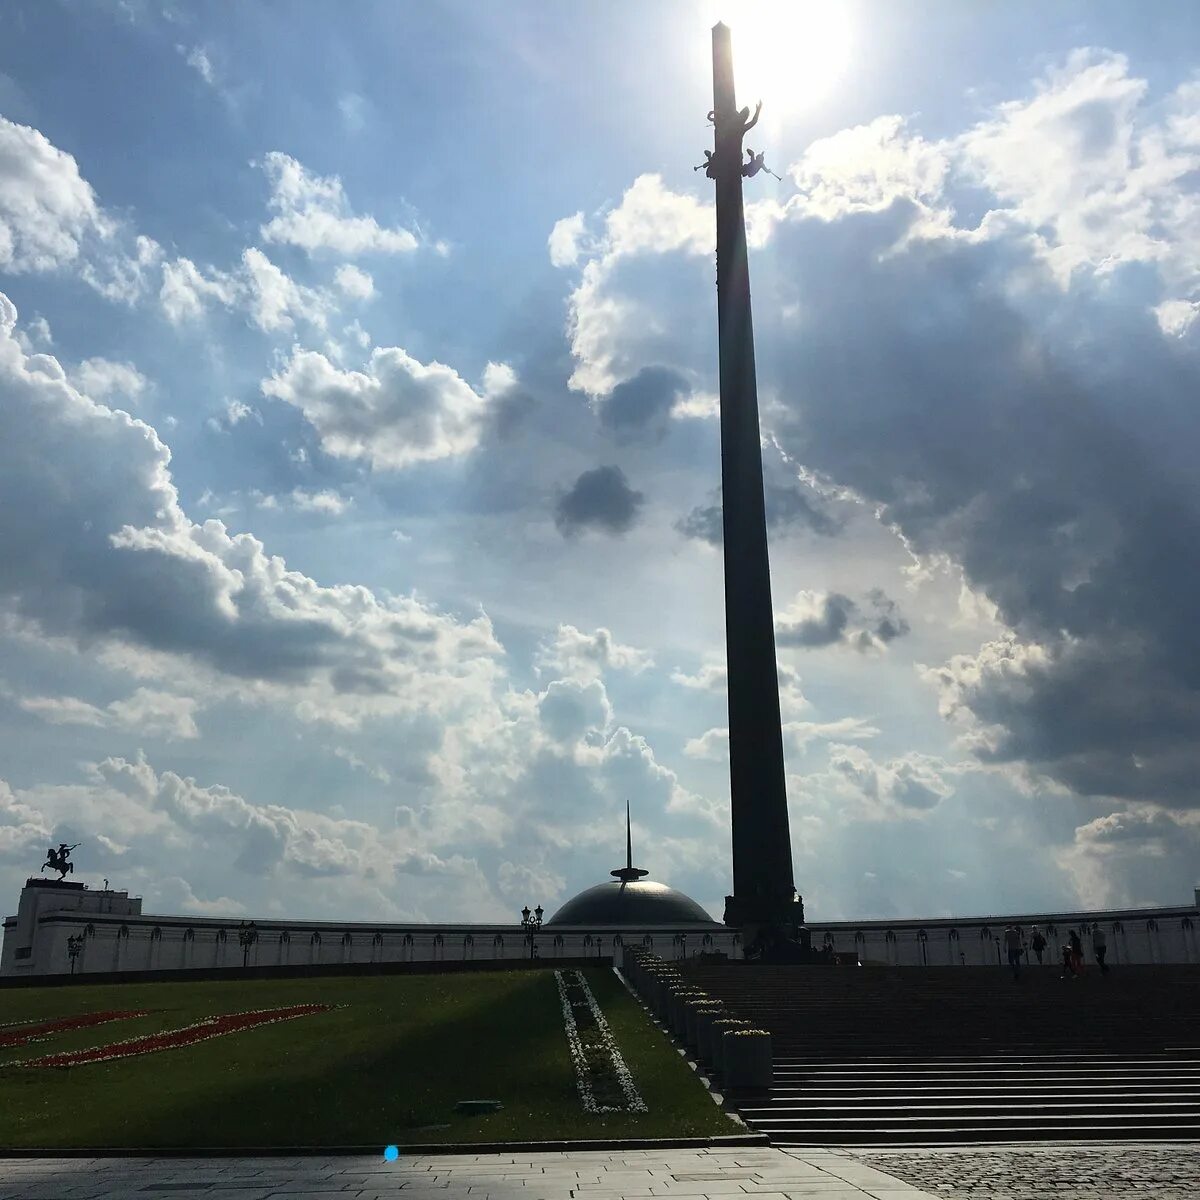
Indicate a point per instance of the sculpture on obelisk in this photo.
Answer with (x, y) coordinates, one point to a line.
(763, 903)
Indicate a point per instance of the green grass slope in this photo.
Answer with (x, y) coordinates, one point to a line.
(387, 1066)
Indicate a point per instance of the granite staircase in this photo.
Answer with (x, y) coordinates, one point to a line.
(941, 1054)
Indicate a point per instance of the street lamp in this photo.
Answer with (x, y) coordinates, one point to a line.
(74, 948)
(531, 923)
(247, 936)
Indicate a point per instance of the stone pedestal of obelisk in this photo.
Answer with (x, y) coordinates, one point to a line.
(763, 897)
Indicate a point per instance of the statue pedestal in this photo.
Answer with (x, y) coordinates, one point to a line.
(58, 885)
(32, 943)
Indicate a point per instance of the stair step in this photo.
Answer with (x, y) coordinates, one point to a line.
(911, 1056)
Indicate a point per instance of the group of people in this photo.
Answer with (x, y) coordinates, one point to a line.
(1072, 952)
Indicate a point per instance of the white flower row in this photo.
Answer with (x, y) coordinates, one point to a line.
(607, 1044)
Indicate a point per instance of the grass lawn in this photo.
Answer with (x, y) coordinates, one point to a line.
(387, 1067)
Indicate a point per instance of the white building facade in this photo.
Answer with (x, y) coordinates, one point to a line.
(1132, 935)
(65, 928)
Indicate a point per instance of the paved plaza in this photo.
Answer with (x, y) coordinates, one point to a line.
(950, 1173)
(575, 1175)
(1079, 1171)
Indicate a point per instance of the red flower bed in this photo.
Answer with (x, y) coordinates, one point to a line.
(201, 1031)
(43, 1029)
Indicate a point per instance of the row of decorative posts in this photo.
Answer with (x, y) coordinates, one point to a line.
(729, 1049)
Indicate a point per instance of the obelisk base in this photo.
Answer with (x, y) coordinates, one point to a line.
(773, 929)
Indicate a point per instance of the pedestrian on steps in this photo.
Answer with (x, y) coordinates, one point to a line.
(1100, 946)
(1076, 947)
(1012, 943)
(1038, 943)
(1068, 965)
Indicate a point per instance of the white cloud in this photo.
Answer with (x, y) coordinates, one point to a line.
(1085, 165)
(565, 240)
(352, 760)
(312, 212)
(101, 378)
(909, 786)
(650, 220)
(800, 733)
(354, 282)
(197, 58)
(529, 885)
(175, 895)
(270, 298)
(1176, 317)
(186, 290)
(99, 550)
(275, 299)
(867, 168)
(699, 406)
(236, 411)
(47, 209)
(50, 220)
(395, 413)
(712, 745)
(325, 501)
(585, 656)
(713, 676)
(146, 712)
(1120, 859)
(37, 334)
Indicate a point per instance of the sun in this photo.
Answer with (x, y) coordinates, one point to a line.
(787, 53)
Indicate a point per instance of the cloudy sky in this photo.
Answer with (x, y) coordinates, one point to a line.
(359, 506)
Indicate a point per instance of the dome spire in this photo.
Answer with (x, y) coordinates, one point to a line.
(628, 873)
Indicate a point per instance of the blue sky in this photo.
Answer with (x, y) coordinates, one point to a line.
(358, 472)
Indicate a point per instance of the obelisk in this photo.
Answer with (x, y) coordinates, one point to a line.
(763, 886)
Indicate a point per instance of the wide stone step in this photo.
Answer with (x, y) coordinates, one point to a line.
(889, 1135)
(870, 1109)
(802, 1097)
(925, 1055)
(1185, 1056)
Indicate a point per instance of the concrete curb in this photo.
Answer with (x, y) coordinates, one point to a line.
(376, 1151)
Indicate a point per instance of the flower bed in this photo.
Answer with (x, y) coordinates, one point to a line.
(41, 1030)
(171, 1039)
(604, 1080)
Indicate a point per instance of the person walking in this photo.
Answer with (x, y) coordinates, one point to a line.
(1076, 948)
(1068, 967)
(1012, 943)
(1100, 947)
(1038, 942)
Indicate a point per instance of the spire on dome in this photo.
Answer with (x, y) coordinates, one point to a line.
(628, 873)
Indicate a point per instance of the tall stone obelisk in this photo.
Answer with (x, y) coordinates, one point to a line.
(763, 886)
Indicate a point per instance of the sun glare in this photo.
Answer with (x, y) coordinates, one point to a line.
(787, 53)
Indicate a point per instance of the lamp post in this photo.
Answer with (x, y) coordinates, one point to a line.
(247, 936)
(531, 923)
(74, 948)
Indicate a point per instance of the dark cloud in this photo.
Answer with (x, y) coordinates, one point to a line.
(824, 627)
(642, 402)
(790, 507)
(825, 619)
(509, 412)
(599, 499)
(1046, 444)
(887, 622)
(703, 523)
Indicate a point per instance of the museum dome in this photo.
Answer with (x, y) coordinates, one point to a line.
(631, 902)
(631, 899)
